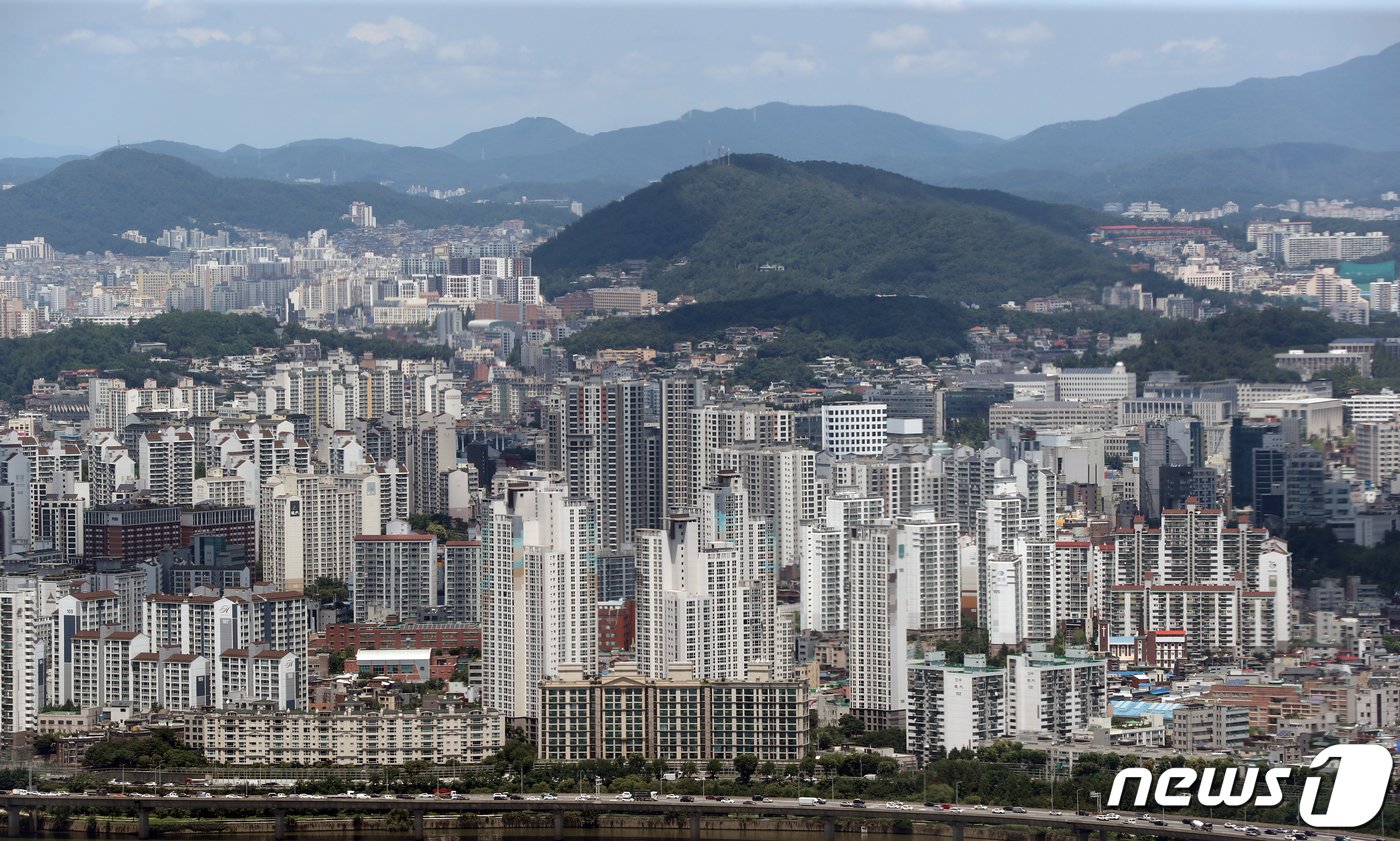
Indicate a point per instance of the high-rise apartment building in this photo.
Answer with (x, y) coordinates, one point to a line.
(605, 457)
(23, 658)
(167, 459)
(540, 595)
(876, 626)
(954, 706)
(307, 523)
(1055, 695)
(395, 574)
(707, 590)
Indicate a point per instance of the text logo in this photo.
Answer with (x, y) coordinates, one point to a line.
(1358, 793)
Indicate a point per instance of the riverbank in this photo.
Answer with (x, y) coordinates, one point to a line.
(513, 826)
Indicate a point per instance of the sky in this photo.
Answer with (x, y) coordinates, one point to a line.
(85, 75)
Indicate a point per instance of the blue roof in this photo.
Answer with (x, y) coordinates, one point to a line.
(1134, 709)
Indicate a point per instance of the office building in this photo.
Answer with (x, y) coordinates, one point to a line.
(854, 428)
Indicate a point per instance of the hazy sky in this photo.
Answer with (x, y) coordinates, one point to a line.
(219, 74)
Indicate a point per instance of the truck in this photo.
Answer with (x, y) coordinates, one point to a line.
(643, 795)
(810, 801)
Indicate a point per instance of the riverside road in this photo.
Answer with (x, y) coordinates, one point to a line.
(690, 813)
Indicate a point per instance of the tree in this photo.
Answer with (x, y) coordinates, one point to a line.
(745, 764)
(768, 769)
(688, 769)
(46, 744)
(714, 768)
(328, 590)
(850, 725)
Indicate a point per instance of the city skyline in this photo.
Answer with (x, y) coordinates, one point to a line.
(425, 73)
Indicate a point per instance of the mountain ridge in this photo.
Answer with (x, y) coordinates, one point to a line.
(85, 204)
(1353, 105)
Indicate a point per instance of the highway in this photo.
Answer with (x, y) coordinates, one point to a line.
(693, 812)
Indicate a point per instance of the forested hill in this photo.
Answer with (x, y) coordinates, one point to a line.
(84, 205)
(839, 228)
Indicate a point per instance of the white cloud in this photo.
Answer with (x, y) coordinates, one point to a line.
(475, 49)
(937, 5)
(1124, 57)
(766, 63)
(170, 11)
(93, 42)
(901, 38)
(940, 63)
(779, 63)
(1032, 33)
(639, 64)
(1199, 46)
(198, 36)
(394, 28)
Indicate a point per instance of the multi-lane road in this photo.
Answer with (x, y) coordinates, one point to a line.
(692, 811)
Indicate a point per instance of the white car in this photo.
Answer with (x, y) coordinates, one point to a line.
(998, 811)
(981, 807)
(1056, 813)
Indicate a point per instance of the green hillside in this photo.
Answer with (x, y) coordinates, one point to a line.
(838, 228)
(85, 204)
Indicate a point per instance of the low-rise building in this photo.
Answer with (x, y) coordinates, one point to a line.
(676, 719)
(448, 735)
(1209, 727)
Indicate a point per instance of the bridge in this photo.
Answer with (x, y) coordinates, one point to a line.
(692, 813)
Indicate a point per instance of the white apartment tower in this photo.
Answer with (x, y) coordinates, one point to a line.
(954, 706)
(22, 660)
(876, 627)
(679, 396)
(605, 456)
(707, 591)
(825, 558)
(395, 574)
(781, 484)
(540, 594)
(167, 458)
(1055, 695)
(307, 523)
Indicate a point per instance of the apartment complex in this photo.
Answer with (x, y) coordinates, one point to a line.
(676, 718)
